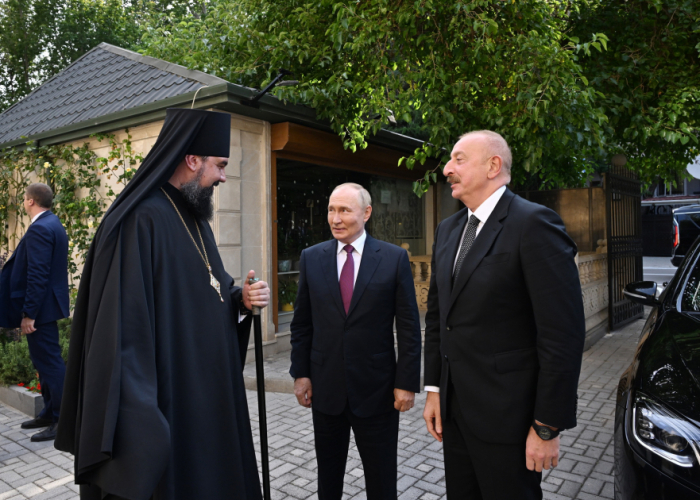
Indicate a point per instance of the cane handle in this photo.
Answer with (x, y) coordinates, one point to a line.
(256, 309)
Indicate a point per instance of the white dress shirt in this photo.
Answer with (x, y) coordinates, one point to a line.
(37, 216)
(358, 247)
(482, 213)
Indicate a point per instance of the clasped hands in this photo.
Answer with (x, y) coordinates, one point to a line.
(257, 294)
(539, 454)
(403, 400)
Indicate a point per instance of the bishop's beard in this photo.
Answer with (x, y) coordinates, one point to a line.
(199, 199)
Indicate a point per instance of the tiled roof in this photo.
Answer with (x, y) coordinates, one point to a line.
(105, 80)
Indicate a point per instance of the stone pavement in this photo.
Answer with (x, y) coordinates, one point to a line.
(38, 471)
(658, 269)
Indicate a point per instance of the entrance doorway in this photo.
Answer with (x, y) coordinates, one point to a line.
(303, 190)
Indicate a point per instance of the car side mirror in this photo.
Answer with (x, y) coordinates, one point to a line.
(642, 292)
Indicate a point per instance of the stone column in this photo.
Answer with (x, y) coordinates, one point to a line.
(243, 222)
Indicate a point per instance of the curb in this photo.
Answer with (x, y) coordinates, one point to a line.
(21, 399)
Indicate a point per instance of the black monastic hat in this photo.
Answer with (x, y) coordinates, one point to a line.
(214, 135)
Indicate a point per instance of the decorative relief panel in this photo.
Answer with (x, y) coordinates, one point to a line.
(595, 298)
(422, 295)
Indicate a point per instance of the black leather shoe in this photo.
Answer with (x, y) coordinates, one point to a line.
(47, 434)
(37, 423)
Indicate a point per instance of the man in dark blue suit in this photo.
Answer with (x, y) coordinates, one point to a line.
(34, 295)
(352, 290)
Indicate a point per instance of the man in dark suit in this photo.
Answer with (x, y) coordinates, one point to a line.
(351, 290)
(504, 331)
(34, 295)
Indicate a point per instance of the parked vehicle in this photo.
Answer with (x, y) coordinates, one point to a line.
(686, 229)
(657, 416)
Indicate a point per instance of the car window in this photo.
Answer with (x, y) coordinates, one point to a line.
(689, 220)
(690, 298)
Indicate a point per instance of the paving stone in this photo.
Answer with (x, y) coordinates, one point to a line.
(40, 472)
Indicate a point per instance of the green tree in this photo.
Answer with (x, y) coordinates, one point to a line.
(650, 80)
(535, 70)
(39, 38)
(506, 66)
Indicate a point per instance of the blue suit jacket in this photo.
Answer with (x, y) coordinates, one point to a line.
(350, 358)
(35, 278)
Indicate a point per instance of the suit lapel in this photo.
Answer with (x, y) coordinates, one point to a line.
(330, 271)
(368, 265)
(482, 244)
(449, 252)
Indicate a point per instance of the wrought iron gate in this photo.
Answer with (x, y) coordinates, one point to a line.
(623, 197)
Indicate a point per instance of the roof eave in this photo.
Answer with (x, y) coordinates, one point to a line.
(224, 96)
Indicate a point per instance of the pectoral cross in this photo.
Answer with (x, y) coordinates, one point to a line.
(215, 283)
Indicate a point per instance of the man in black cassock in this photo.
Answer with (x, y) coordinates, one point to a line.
(154, 404)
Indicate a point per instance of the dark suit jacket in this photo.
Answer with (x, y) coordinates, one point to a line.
(35, 278)
(351, 358)
(510, 333)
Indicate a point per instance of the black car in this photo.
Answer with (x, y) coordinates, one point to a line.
(657, 417)
(686, 229)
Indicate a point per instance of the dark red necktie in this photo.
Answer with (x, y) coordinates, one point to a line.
(347, 278)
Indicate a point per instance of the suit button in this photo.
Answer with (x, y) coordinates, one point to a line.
(445, 356)
(449, 328)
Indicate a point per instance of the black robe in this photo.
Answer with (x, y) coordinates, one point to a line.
(174, 421)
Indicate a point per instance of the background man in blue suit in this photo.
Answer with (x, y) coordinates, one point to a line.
(34, 295)
(351, 289)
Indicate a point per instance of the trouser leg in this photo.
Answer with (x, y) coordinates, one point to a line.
(475, 469)
(460, 476)
(332, 436)
(377, 441)
(45, 352)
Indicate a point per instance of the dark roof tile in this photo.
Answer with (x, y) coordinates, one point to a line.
(105, 80)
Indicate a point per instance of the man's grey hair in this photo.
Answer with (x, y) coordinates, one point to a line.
(496, 146)
(362, 194)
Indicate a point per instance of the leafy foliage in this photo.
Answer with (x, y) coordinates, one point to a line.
(39, 38)
(76, 176)
(16, 366)
(505, 66)
(287, 290)
(650, 80)
(539, 72)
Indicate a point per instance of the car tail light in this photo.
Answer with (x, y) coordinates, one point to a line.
(667, 435)
(676, 240)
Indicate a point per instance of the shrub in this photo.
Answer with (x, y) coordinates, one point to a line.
(15, 363)
(64, 327)
(16, 366)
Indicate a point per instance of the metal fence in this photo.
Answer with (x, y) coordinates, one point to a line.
(624, 234)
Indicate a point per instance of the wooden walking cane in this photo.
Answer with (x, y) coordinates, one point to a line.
(262, 412)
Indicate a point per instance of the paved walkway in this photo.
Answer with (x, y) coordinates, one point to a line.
(38, 471)
(658, 269)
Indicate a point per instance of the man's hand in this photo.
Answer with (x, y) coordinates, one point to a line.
(541, 454)
(257, 294)
(303, 392)
(404, 400)
(27, 326)
(432, 417)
